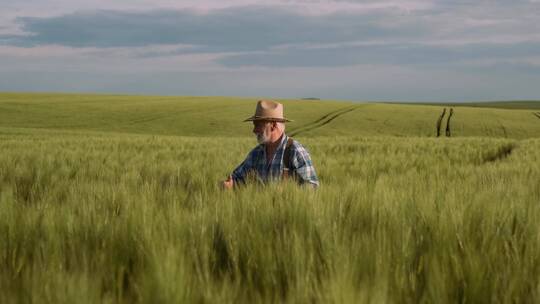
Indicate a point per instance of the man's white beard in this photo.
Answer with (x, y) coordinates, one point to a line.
(263, 138)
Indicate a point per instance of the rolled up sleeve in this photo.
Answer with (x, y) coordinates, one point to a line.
(240, 173)
(303, 167)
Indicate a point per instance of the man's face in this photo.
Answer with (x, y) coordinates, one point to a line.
(263, 131)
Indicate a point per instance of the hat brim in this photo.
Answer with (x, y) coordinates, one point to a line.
(259, 118)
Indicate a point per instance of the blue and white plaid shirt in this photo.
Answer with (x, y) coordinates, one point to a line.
(255, 164)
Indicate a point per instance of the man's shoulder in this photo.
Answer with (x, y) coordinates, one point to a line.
(300, 155)
(298, 147)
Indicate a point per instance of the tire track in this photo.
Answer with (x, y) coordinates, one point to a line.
(500, 154)
(324, 120)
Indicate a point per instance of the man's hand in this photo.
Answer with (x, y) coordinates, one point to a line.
(229, 183)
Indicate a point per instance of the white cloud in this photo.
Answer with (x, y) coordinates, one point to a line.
(389, 49)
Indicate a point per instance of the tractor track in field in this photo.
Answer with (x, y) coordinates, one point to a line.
(324, 120)
(537, 114)
(502, 153)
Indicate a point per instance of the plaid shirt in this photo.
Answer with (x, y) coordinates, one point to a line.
(256, 164)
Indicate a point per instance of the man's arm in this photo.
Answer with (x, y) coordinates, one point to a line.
(229, 183)
(239, 174)
(303, 166)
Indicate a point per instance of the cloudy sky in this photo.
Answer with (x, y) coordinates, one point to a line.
(407, 50)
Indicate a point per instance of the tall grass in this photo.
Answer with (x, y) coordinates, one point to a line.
(125, 218)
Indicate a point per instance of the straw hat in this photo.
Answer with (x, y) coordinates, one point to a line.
(268, 110)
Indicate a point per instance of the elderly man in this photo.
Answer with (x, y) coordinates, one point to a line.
(277, 156)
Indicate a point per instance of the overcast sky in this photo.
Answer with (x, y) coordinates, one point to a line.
(407, 50)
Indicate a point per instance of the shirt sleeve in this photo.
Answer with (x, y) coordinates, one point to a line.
(239, 174)
(303, 166)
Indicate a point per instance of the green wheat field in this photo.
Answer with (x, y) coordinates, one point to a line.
(116, 199)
